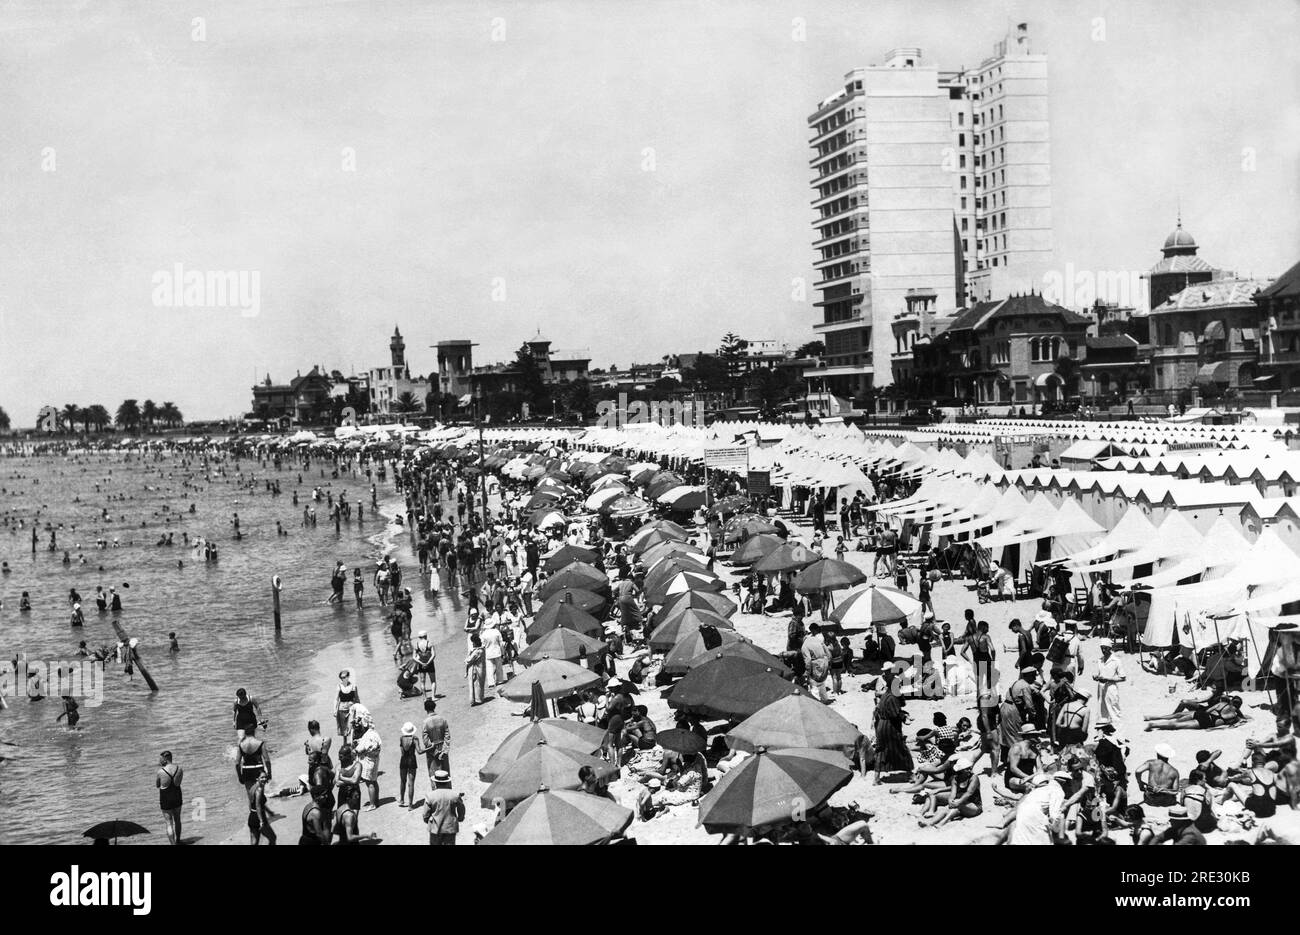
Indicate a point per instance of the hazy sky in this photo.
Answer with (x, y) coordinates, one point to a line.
(505, 146)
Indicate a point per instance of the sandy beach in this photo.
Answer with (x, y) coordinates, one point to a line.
(477, 732)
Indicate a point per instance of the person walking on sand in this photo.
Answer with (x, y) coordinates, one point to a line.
(437, 739)
(407, 766)
(476, 670)
(168, 781)
(492, 653)
(444, 810)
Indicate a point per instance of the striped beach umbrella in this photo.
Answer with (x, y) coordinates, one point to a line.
(560, 733)
(829, 574)
(773, 787)
(875, 604)
(561, 817)
(796, 721)
(544, 765)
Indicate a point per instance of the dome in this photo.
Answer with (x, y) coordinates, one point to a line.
(1180, 239)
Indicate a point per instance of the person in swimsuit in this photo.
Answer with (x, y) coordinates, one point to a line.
(1222, 713)
(316, 747)
(1073, 717)
(349, 798)
(425, 655)
(348, 695)
(247, 712)
(253, 769)
(316, 822)
(168, 781)
(259, 816)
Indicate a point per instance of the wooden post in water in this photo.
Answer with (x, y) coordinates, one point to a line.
(275, 600)
(134, 655)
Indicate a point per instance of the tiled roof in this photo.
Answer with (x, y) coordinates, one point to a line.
(1107, 341)
(1217, 293)
(1031, 304)
(1287, 286)
(1181, 264)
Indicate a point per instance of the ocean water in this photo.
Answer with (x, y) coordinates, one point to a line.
(54, 783)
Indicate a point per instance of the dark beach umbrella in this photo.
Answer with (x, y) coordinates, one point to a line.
(560, 643)
(577, 575)
(614, 464)
(773, 787)
(680, 740)
(729, 687)
(732, 504)
(668, 567)
(563, 818)
(691, 644)
(640, 543)
(791, 556)
(567, 555)
(755, 547)
(828, 575)
(797, 721)
(661, 483)
(742, 527)
(584, 600)
(671, 630)
(656, 553)
(743, 650)
(697, 600)
(564, 615)
(544, 765)
(559, 733)
(542, 501)
(117, 828)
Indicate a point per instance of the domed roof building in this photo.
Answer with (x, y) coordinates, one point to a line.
(1179, 267)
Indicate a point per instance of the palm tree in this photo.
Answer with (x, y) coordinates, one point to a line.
(71, 415)
(98, 416)
(148, 413)
(406, 402)
(128, 414)
(170, 415)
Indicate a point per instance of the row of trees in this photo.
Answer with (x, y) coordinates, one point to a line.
(131, 415)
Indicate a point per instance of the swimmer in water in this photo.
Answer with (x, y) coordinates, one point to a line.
(174, 647)
(69, 711)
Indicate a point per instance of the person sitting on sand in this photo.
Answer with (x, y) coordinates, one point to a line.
(1161, 782)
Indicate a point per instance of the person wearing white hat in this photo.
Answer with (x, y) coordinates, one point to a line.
(1040, 812)
(1109, 675)
(962, 797)
(407, 766)
(1157, 778)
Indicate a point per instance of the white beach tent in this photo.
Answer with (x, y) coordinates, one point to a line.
(1010, 505)
(982, 503)
(1133, 531)
(1220, 550)
(1024, 526)
(1175, 539)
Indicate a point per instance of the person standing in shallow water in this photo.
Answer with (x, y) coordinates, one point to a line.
(168, 781)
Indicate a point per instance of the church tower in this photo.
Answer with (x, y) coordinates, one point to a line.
(398, 348)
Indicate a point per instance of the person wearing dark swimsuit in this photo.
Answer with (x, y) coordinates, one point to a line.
(168, 782)
(247, 713)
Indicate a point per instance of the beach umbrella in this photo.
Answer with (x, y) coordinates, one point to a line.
(875, 604)
(561, 817)
(699, 600)
(772, 787)
(556, 486)
(639, 543)
(788, 557)
(829, 574)
(544, 765)
(796, 721)
(541, 501)
(661, 550)
(576, 575)
(661, 483)
(567, 615)
(755, 547)
(665, 569)
(680, 740)
(116, 828)
(728, 687)
(540, 519)
(681, 582)
(684, 499)
(668, 632)
(691, 644)
(559, 733)
(560, 643)
(558, 679)
(741, 528)
(625, 506)
(614, 464)
(567, 555)
(641, 473)
(742, 649)
(732, 504)
(601, 497)
(617, 481)
(586, 600)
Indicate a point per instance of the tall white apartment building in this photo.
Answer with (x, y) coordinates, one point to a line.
(927, 183)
